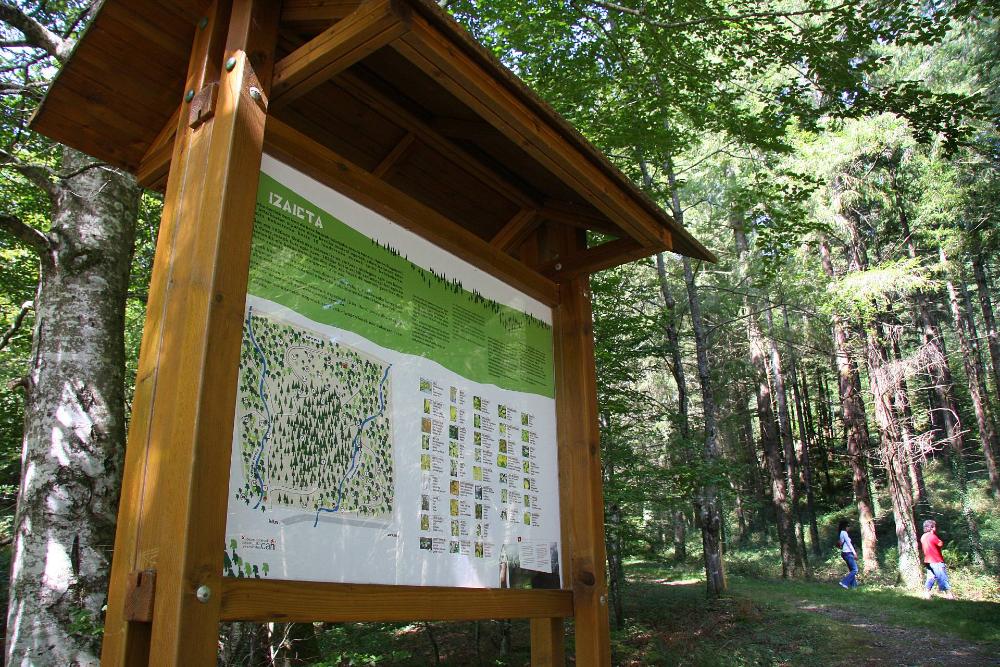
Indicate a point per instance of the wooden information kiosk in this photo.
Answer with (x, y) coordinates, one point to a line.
(388, 116)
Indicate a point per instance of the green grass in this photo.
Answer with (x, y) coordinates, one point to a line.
(677, 625)
(764, 621)
(973, 620)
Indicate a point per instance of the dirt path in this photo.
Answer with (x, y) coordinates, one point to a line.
(891, 645)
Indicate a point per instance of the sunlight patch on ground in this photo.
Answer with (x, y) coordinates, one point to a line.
(675, 582)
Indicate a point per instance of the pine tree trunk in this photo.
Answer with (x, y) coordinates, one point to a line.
(759, 495)
(805, 463)
(894, 450)
(785, 430)
(987, 433)
(791, 560)
(824, 443)
(894, 458)
(74, 423)
(905, 415)
(944, 408)
(992, 336)
(855, 428)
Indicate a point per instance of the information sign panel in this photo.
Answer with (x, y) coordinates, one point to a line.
(395, 416)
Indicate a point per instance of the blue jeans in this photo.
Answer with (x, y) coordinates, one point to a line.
(939, 573)
(851, 579)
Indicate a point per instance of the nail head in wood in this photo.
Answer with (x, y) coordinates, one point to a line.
(204, 594)
(230, 64)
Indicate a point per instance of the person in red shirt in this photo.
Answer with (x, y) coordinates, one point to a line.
(936, 569)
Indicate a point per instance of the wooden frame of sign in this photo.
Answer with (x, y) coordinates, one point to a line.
(226, 78)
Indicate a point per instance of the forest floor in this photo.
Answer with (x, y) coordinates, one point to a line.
(761, 621)
(780, 622)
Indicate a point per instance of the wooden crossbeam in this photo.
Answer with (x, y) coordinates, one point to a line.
(307, 601)
(598, 258)
(398, 152)
(332, 169)
(460, 128)
(516, 230)
(384, 104)
(370, 27)
(312, 15)
(567, 213)
(468, 80)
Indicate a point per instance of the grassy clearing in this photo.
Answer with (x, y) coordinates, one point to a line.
(775, 622)
(761, 621)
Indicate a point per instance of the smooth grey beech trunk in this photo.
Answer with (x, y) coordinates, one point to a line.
(74, 425)
(708, 508)
(672, 340)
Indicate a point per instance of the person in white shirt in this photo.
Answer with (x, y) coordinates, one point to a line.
(849, 555)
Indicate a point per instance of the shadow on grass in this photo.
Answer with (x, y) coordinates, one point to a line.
(673, 623)
(969, 619)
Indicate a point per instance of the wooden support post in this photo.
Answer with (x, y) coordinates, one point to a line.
(548, 648)
(173, 509)
(580, 459)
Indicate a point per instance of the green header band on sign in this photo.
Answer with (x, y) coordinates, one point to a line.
(308, 261)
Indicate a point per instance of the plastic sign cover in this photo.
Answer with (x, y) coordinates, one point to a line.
(395, 415)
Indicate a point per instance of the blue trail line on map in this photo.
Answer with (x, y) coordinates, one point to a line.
(255, 466)
(356, 443)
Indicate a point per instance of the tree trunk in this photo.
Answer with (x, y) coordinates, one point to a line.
(894, 457)
(992, 336)
(824, 442)
(672, 339)
(759, 495)
(855, 428)
(904, 413)
(680, 536)
(987, 433)
(791, 559)
(616, 571)
(709, 512)
(805, 463)
(74, 422)
(785, 429)
(944, 408)
(894, 449)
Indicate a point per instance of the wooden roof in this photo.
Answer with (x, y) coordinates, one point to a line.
(394, 88)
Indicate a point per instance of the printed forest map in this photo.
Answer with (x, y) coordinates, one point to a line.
(314, 423)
